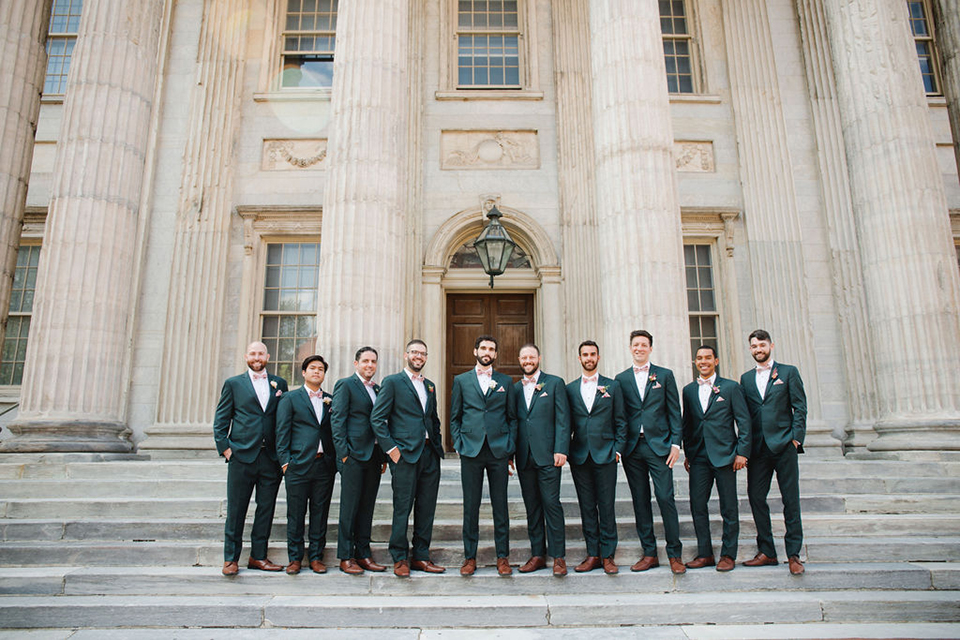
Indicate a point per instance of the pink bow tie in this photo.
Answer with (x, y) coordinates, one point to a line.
(317, 394)
(260, 376)
(368, 383)
(590, 379)
(764, 367)
(417, 377)
(701, 381)
(484, 372)
(637, 369)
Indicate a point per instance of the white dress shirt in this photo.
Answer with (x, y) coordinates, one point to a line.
(484, 376)
(641, 375)
(705, 389)
(369, 387)
(530, 387)
(417, 380)
(763, 377)
(261, 384)
(316, 399)
(588, 390)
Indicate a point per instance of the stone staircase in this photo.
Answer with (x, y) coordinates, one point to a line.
(122, 542)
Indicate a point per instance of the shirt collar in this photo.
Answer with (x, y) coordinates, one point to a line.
(711, 380)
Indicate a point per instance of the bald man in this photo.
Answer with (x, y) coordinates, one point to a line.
(245, 429)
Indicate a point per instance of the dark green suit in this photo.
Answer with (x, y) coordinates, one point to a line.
(353, 437)
(243, 426)
(543, 429)
(777, 419)
(711, 444)
(400, 420)
(597, 436)
(309, 476)
(653, 427)
(484, 431)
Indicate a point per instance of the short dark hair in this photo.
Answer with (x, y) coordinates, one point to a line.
(760, 334)
(587, 343)
(486, 338)
(311, 359)
(415, 341)
(529, 345)
(363, 350)
(641, 332)
(708, 346)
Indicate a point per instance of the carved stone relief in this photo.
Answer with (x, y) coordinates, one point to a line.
(489, 150)
(293, 155)
(693, 156)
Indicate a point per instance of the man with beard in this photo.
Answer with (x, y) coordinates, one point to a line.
(361, 462)
(244, 428)
(543, 441)
(599, 431)
(778, 414)
(306, 453)
(405, 420)
(483, 425)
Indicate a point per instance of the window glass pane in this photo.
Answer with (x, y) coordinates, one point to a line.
(676, 46)
(701, 297)
(488, 44)
(14, 349)
(923, 35)
(308, 44)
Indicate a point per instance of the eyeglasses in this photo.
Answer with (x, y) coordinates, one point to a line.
(417, 353)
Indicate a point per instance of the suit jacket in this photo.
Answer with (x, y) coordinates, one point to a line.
(350, 419)
(475, 417)
(299, 432)
(240, 424)
(658, 413)
(544, 428)
(399, 420)
(602, 431)
(712, 434)
(781, 415)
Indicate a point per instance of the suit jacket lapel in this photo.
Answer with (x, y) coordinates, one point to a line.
(413, 389)
(533, 398)
(649, 384)
(363, 388)
(305, 397)
(248, 384)
(713, 397)
(770, 381)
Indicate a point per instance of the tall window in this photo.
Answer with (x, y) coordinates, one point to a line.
(701, 297)
(488, 44)
(289, 318)
(20, 310)
(677, 46)
(309, 36)
(922, 27)
(61, 38)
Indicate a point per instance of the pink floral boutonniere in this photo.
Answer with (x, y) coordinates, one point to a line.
(716, 390)
(539, 387)
(603, 391)
(653, 377)
(429, 388)
(773, 374)
(273, 383)
(279, 393)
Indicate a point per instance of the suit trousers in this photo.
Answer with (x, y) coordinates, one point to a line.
(596, 486)
(702, 477)
(540, 488)
(314, 488)
(640, 467)
(264, 476)
(359, 485)
(759, 474)
(415, 486)
(471, 479)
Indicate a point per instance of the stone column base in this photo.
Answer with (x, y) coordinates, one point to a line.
(38, 436)
(179, 441)
(924, 434)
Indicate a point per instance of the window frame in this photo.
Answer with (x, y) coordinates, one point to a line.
(692, 37)
(931, 39)
(67, 37)
(282, 53)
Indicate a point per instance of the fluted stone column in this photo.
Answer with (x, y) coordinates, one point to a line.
(900, 210)
(947, 15)
(640, 262)
(771, 218)
(23, 58)
(847, 273)
(198, 274)
(74, 390)
(363, 239)
(575, 160)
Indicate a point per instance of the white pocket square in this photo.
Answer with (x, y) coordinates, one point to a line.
(776, 382)
(656, 386)
(720, 399)
(544, 394)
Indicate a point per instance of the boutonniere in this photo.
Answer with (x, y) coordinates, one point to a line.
(493, 385)
(773, 374)
(602, 390)
(429, 388)
(327, 401)
(539, 387)
(653, 377)
(273, 383)
(716, 390)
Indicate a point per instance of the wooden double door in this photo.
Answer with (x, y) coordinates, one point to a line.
(506, 316)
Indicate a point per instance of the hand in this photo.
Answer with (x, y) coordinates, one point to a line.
(285, 469)
(344, 459)
(227, 453)
(512, 467)
(559, 459)
(618, 457)
(739, 463)
(394, 455)
(686, 465)
(383, 468)
(796, 445)
(673, 457)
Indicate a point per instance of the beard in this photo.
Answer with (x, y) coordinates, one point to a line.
(485, 360)
(761, 357)
(415, 368)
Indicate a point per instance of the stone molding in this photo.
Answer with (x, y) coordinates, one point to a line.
(694, 156)
(296, 154)
(489, 150)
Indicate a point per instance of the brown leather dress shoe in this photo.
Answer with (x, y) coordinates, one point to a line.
(760, 560)
(700, 562)
(677, 566)
(726, 564)
(369, 564)
(293, 568)
(796, 567)
(468, 567)
(646, 562)
(503, 567)
(426, 565)
(350, 566)
(263, 565)
(230, 568)
(317, 566)
(401, 569)
(610, 567)
(533, 564)
(589, 564)
(559, 567)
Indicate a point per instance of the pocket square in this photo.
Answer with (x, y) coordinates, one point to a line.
(720, 399)
(544, 394)
(501, 390)
(656, 386)
(776, 382)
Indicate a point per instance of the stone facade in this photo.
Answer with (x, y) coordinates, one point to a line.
(806, 157)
